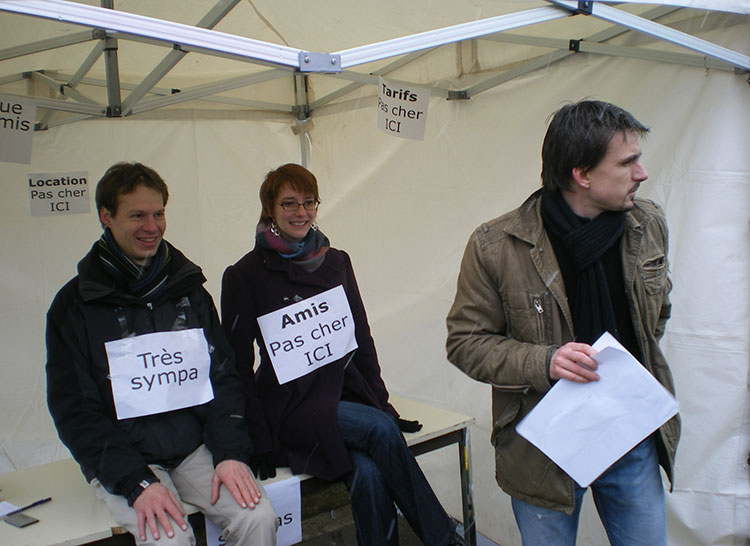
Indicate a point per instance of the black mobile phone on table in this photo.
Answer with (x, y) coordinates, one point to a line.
(20, 520)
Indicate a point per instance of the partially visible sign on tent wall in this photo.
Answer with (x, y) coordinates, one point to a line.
(55, 194)
(402, 111)
(17, 117)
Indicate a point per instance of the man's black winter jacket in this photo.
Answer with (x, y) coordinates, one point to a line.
(91, 310)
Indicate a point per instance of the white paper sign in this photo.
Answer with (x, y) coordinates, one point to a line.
(287, 503)
(158, 372)
(402, 111)
(57, 194)
(17, 117)
(586, 427)
(309, 334)
(7, 508)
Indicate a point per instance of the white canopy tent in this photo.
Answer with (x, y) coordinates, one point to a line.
(221, 107)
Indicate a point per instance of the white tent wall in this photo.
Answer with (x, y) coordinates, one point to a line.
(404, 210)
(39, 253)
(407, 223)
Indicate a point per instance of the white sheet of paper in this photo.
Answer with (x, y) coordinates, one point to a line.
(7, 508)
(586, 427)
(287, 503)
(158, 372)
(309, 334)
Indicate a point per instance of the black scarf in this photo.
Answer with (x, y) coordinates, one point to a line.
(585, 242)
(146, 282)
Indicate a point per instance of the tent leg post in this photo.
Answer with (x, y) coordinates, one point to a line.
(302, 121)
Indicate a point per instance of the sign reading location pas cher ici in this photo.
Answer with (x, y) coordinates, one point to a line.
(59, 193)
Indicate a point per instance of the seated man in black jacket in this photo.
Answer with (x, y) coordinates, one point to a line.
(141, 382)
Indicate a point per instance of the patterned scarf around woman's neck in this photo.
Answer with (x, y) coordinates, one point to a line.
(585, 243)
(146, 282)
(308, 253)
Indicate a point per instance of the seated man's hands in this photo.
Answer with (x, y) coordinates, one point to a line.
(262, 465)
(155, 504)
(236, 476)
(573, 361)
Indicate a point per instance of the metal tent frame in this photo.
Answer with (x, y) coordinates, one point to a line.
(107, 26)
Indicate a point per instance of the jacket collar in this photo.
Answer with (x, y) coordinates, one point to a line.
(527, 225)
(95, 284)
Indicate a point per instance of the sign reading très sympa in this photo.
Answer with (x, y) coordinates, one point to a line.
(55, 194)
(159, 372)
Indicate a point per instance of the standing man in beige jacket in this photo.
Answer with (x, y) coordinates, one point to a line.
(538, 286)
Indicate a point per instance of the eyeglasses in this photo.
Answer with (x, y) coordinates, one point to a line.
(292, 206)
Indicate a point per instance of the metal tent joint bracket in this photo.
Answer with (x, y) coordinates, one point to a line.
(302, 126)
(585, 7)
(574, 45)
(301, 111)
(319, 62)
(462, 94)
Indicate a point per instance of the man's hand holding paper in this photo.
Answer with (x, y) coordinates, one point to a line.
(602, 419)
(575, 362)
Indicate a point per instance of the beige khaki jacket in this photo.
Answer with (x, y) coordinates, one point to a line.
(511, 312)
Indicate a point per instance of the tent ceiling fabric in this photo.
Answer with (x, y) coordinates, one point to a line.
(139, 57)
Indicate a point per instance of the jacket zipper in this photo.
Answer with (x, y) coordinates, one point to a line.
(543, 333)
(150, 307)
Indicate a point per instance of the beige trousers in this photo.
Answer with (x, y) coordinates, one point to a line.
(191, 483)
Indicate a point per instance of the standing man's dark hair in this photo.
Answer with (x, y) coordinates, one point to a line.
(538, 286)
(578, 136)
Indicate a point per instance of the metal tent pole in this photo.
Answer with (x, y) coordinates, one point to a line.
(662, 32)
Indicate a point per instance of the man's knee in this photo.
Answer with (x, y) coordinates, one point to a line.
(253, 525)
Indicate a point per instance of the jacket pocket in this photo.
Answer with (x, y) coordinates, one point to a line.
(503, 427)
(654, 274)
(525, 313)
